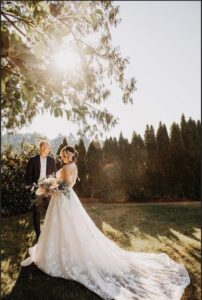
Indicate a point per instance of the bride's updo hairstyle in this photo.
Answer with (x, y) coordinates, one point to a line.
(70, 151)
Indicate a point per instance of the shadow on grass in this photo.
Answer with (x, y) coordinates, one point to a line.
(34, 284)
(151, 219)
(165, 228)
(170, 228)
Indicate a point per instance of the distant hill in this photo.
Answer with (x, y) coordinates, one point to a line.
(33, 138)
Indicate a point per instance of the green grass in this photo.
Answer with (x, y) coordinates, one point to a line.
(170, 228)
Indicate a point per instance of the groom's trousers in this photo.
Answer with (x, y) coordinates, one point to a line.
(39, 210)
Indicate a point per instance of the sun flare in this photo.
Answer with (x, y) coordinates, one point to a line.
(65, 60)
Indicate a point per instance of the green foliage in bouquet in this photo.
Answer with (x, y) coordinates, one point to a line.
(46, 187)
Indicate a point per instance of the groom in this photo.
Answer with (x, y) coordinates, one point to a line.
(40, 166)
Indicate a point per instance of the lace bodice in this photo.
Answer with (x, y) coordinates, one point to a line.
(71, 173)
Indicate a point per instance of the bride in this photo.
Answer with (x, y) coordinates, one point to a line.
(72, 247)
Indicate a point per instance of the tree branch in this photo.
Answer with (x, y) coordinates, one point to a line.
(13, 24)
(18, 18)
(21, 19)
(74, 17)
(105, 56)
(8, 70)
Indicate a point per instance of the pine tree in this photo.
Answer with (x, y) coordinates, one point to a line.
(64, 143)
(82, 168)
(111, 170)
(198, 159)
(163, 151)
(110, 150)
(184, 131)
(152, 176)
(94, 165)
(177, 161)
(193, 159)
(198, 126)
(59, 163)
(107, 151)
(124, 160)
(137, 167)
(191, 154)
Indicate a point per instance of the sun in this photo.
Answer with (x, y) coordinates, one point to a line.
(65, 60)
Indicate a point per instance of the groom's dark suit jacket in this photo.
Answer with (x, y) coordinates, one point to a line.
(33, 168)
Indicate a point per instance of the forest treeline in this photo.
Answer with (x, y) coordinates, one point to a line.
(162, 165)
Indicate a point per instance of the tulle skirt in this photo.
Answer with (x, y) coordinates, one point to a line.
(71, 246)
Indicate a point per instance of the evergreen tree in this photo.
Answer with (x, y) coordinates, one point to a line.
(137, 166)
(115, 148)
(82, 168)
(59, 163)
(94, 166)
(163, 152)
(177, 161)
(191, 154)
(124, 160)
(184, 131)
(193, 159)
(198, 158)
(199, 136)
(111, 179)
(152, 176)
(110, 150)
(64, 143)
(107, 151)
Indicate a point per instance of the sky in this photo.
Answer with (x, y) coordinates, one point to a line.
(162, 40)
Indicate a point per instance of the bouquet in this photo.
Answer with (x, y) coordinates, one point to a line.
(47, 186)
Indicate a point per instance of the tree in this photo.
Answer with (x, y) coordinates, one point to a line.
(198, 127)
(137, 166)
(16, 198)
(191, 139)
(32, 31)
(111, 171)
(184, 131)
(94, 165)
(164, 160)
(110, 150)
(152, 175)
(59, 162)
(178, 161)
(193, 159)
(124, 160)
(198, 172)
(82, 168)
(64, 143)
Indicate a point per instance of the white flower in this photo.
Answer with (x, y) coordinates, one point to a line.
(50, 180)
(40, 191)
(54, 186)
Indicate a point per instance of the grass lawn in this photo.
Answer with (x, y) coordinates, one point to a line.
(170, 228)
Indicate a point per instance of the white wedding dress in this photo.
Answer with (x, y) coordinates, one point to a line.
(72, 247)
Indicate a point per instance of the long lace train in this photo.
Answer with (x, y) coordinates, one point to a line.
(72, 247)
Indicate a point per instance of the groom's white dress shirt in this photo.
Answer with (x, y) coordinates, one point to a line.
(43, 167)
